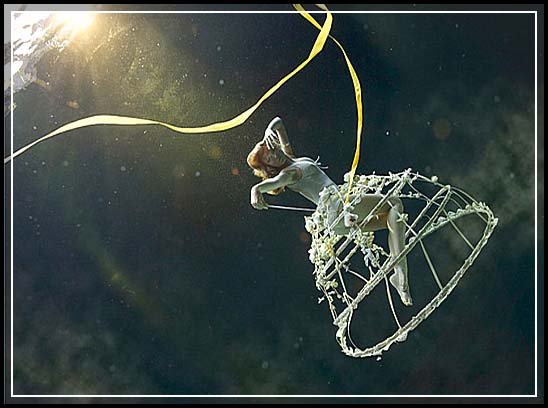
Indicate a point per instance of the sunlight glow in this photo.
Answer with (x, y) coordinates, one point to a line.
(74, 21)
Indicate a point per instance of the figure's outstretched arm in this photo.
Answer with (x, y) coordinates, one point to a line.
(285, 178)
(276, 133)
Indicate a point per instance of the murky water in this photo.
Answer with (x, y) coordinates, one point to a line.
(140, 266)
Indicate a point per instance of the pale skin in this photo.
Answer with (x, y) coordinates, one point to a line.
(279, 153)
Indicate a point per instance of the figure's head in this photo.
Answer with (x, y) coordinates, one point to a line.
(267, 163)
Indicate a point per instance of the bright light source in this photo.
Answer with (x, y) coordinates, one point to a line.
(74, 21)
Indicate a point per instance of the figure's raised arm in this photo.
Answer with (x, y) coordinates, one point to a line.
(276, 135)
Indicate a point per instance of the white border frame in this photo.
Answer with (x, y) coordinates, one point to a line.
(535, 395)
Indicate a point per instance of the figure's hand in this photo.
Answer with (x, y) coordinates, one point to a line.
(257, 200)
(271, 139)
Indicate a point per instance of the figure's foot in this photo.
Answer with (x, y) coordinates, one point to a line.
(399, 282)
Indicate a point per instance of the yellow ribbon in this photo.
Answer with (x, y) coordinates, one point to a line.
(242, 117)
(357, 93)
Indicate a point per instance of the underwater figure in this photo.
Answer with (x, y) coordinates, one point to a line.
(273, 160)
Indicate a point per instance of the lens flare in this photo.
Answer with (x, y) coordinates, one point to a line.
(72, 22)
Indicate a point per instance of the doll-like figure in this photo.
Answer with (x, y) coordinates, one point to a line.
(273, 160)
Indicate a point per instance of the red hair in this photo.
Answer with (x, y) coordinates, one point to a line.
(261, 169)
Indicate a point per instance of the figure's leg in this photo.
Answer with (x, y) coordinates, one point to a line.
(396, 243)
(362, 210)
(387, 217)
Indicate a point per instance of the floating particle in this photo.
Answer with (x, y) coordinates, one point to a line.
(264, 365)
(197, 174)
(304, 237)
(123, 168)
(73, 104)
(235, 171)
(219, 48)
(215, 152)
(302, 124)
(441, 128)
(178, 171)
(221, 81)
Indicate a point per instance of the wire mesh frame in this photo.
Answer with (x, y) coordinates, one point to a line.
(328, 248)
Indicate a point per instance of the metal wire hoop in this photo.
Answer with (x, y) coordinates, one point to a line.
(331, 253)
